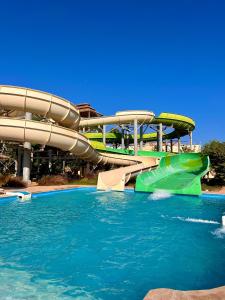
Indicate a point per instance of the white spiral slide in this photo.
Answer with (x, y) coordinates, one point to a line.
(58, 128)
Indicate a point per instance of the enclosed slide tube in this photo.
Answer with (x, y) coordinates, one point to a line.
(56, 136)
(18, 99)
(14, 100)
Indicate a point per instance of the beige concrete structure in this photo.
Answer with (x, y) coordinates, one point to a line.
(124, 117)
(56, 110)
(116, 179)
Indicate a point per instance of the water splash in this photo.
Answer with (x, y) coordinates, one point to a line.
(219, 232)
(160, 194)
(193, 220)
(100, 192)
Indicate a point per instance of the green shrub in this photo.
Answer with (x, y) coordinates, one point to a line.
(53, 180)
(14, 182)
(216, 152)
(4, 179)
(85, 181)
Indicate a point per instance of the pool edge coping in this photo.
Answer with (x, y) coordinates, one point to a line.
(51, 192)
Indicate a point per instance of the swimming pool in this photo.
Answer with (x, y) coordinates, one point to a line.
(86, 244)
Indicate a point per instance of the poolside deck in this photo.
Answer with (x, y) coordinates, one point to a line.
(35, 188)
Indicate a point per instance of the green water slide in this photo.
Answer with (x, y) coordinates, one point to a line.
(177, 174)
(179, 124)
(102, 148)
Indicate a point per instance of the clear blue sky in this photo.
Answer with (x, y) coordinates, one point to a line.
(161, 55)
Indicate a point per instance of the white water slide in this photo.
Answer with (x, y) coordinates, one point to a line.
(59, 126)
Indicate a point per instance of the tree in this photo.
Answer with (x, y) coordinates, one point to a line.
(216, 152)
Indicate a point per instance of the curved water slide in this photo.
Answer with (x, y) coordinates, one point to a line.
(15, 101)
(117, 178)
(177, 174)
(124, 117)
(180, 126)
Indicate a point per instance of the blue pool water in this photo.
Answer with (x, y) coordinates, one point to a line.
(86, 244)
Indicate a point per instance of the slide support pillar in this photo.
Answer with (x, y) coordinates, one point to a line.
(19, 161)
(63, 166)
(104, 134)
(171, 146)
(135, 137)
(50, 161)
(191, 140)
(179, 145)
(141, 137)
(87, 169)
(166, 146)
(27, 154)
(122, 138)
(159, 137)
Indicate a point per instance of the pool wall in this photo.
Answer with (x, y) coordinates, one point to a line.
(53, 192)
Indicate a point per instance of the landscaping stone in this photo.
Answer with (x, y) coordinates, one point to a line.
(169, 294)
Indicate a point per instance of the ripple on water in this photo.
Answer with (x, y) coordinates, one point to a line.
(107, 245)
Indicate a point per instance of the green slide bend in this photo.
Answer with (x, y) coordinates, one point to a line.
(181, 126)
(102, 148)
(177, 174)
